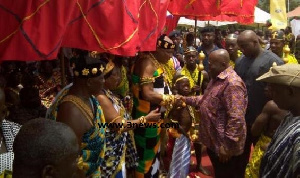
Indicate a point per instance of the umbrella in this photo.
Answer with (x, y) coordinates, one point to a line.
(295, 12)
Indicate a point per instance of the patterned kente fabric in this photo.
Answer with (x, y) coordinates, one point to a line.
(282, 158)
(147, 140)
(181, 156)
(93, 141)
(252, 169)
(120, 148)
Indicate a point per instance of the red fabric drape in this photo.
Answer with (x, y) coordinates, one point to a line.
(105, 26)
(33, 29)
(36, 29)
(241, 11)
(151, 22)
(171, 23)
(194, 8)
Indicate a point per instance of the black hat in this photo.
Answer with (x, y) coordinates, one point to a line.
(90, 64)
(278, 35)
(162, 43)
(208, 29)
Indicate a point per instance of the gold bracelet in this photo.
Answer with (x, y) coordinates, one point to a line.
(143, 120)
(146, 80)
(122, 128)
(168, 101)
(115, 119)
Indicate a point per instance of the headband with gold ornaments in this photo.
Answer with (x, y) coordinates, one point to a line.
(162, 43)
(190, 49)
(89, 65)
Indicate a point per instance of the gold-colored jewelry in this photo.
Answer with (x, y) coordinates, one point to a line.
(174, 121)
(147, 80)
(168, 101)
(122, 128)
(101, 68)
(85, 72)
(143, 120)
(82, 106)
(115, 119)
(80, 163)
(180, 78)
(167, 76)
(94, 71)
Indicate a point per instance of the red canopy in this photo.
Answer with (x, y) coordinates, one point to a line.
(241, 11)
(36, 29)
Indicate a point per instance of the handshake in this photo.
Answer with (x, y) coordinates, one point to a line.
(170, 101)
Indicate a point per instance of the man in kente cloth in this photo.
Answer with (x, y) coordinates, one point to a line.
(151, 90)
(77, 107)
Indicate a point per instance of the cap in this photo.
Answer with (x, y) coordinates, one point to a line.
(287, 74)
(208, 29)
(90, 64)
(278, 35)
(190, 49)
(162, 43)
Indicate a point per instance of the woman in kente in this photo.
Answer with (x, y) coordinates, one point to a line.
(77, 107)
(151, 90)
(120, 155)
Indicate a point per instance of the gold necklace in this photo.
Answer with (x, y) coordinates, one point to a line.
(158, 65)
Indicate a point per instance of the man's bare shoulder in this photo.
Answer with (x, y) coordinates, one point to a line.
(144, 64)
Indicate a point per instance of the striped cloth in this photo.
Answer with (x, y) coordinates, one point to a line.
(282, 158)
(180, 163)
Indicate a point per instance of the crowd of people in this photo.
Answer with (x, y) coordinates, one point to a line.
(233, 93)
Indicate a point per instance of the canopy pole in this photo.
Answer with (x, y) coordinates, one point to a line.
(195, 31)
(62, 68)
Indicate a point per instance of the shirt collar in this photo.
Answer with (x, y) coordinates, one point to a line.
(223, 75)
